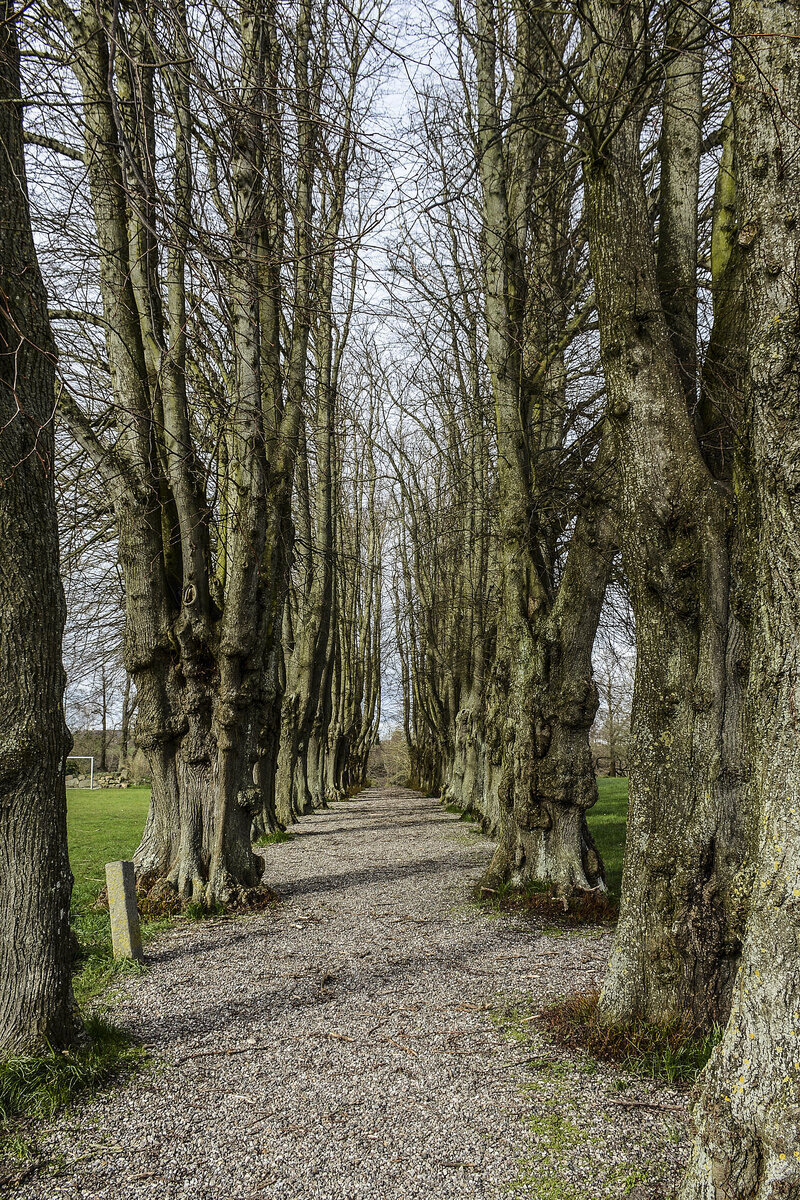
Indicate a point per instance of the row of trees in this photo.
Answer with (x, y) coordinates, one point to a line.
(200, 183)
(201, 287)
(602, 288)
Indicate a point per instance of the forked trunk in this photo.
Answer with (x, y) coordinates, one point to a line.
(677, 939)
(544, 704)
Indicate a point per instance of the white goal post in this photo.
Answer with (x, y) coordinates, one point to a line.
(85, 758)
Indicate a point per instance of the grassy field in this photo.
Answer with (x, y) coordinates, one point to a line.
(607, 824)
(102, 825)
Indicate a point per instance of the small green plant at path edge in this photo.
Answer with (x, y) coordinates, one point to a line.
(196, 911)
(15, 1146)
(675, 1052)
(39, 1086)
(275, 838)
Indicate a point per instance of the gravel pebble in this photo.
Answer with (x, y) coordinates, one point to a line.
(351, 1044)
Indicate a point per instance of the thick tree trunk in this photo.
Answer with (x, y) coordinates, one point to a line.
(161, 522)
(678, 935)
(465, 786)
(748, 1115)
(129, 705)
(234, 869)
(545, 702)
(37, 1010)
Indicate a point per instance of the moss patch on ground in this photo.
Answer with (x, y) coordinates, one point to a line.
(572, 1149)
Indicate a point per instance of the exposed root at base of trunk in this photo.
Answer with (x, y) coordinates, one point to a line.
(542, 900)
(160, 898)
(676, 1051)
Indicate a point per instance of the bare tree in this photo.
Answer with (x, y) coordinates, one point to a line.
(748, 1139)
(37, 1010)
(683, 856)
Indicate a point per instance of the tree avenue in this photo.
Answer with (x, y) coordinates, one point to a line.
(215, 280)
(361, 403)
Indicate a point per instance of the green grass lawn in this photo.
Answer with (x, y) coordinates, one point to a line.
(607, 824)
(103, 825)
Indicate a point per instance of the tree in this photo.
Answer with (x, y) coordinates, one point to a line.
(530, 701)
(685, 846)
(748, 1133)
(37, 1010)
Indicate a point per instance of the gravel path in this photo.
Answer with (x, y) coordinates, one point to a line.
(364, 1041)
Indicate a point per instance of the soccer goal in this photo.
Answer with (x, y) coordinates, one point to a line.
(84, 758)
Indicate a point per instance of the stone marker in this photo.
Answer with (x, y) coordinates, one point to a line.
(126, 937)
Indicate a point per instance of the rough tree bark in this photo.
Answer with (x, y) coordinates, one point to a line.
(677, 939)
(748, 1113)
(37, 1009)
(541, 699)
(550, 701)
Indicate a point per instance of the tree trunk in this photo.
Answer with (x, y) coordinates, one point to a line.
(104, 719)
(234, 869)
(128, 708)
(747, 1117)
(547, 704)
(37, 1009)
(677, 939)
(286, 764)
(541, 699)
